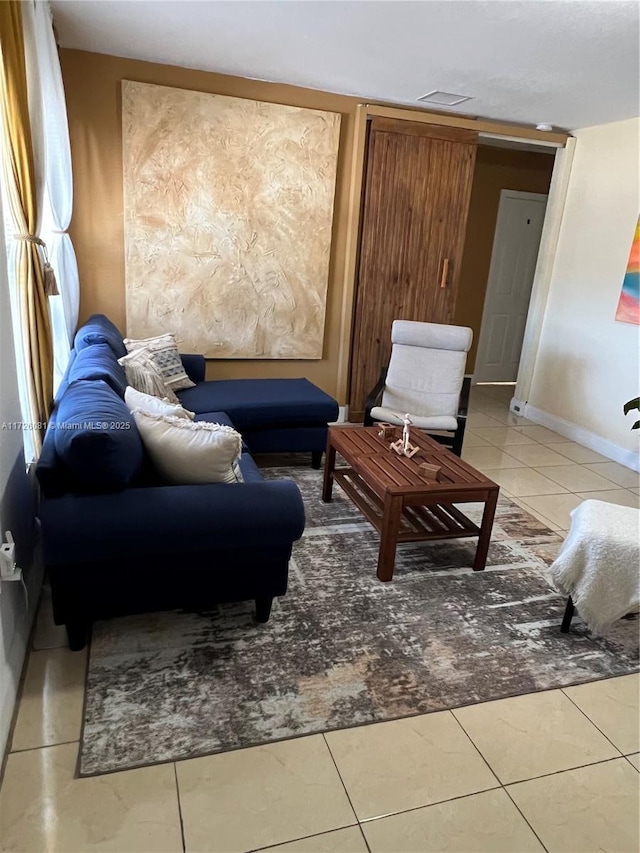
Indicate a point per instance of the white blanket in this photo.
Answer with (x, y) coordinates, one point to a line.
(598, 564)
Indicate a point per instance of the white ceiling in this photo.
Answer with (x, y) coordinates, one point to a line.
(569, 63)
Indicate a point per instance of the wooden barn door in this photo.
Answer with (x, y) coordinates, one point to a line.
(416, 199)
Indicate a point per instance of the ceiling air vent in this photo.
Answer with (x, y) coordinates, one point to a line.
(444, 99)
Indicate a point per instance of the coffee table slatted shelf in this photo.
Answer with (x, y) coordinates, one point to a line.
(397, 500)
(440, 521)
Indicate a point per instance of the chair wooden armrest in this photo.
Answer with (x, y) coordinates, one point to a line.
(461, 417)
(374, 397)
(464, 397)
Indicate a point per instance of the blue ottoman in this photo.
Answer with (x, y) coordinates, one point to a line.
(273, 415)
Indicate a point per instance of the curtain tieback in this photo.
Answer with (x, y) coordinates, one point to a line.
(30, 238)
(50, 283)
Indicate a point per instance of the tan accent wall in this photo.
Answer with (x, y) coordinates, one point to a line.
(496, 169)
(92, 86)
(93, 92)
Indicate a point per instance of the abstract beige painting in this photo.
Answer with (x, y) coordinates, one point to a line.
(228, 206)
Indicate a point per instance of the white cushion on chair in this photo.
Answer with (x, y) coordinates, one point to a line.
(443, 422)
(431, 335)
(425, 374)
(424, 382)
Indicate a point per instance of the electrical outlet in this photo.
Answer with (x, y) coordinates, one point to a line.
(8, 569)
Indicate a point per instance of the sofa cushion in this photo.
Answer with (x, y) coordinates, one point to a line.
(54, 478)
(194, 365)
(223, 419)
(143, 374)
(98, 362)
(163, 351)
(96, 437)
(258, 403)
(294, 439)
(100, 330)
(215, 418)
(64, 382)
(250, 471)
(186, 452)
(137, 400)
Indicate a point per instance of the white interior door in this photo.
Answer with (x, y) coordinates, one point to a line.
(513, 263)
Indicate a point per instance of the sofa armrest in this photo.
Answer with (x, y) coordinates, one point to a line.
(195, 366)
(170, 520)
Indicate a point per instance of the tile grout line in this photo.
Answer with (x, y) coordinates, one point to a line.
(567, 770)
(48, 648)
(519, 810)
(31, 650)
(43, 746)
(342, 782)
(584, 713)
(175, 776)
(498, 786)
(542, 443)
(429, 805)
(477, 749)
(364, 837)
(303, 838)
(503, 787)
(20, 690)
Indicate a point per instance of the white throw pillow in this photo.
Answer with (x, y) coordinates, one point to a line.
(163, 351)
(186, 451)
(143, 375)
(151, 405)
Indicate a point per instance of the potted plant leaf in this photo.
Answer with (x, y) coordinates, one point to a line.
(633, 404)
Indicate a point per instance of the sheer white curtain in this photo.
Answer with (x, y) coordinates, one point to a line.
(54, 189)
(14, 224)
(58, 181)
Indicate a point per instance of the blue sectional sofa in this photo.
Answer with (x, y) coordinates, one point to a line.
(118, 541)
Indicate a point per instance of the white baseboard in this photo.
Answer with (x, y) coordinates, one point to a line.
(628, 458)
(342, 415)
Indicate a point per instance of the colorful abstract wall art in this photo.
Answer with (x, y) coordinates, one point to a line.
(629, 304)
(228, 209)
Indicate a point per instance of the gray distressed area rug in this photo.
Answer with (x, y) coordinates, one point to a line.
(342, 649)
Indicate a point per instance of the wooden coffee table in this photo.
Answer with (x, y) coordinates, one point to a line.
(398, 501)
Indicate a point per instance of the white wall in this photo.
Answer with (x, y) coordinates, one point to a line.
(17, 506)
(587, 365)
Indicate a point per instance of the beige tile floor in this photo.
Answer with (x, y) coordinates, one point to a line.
(556, 771)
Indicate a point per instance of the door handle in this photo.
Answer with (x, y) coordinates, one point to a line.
(445, 273)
